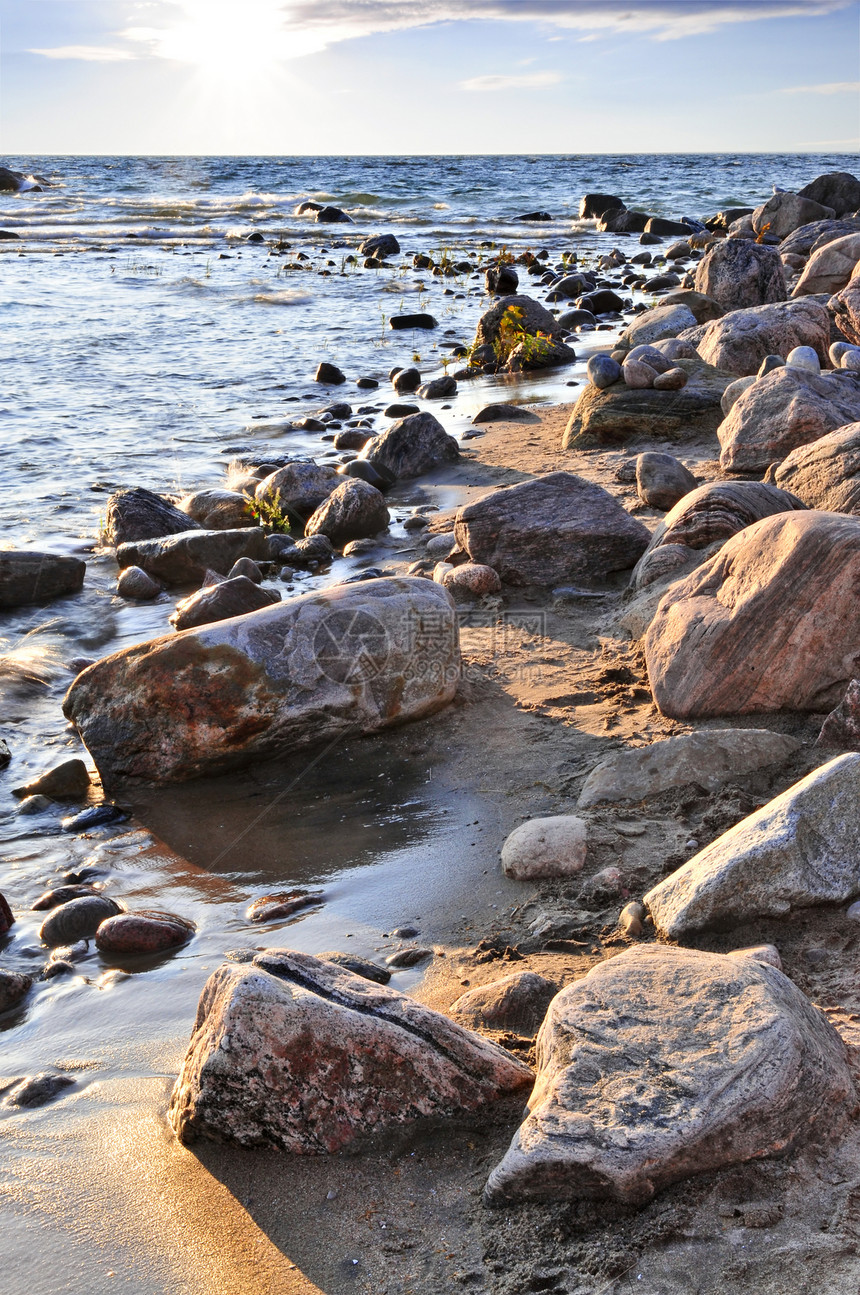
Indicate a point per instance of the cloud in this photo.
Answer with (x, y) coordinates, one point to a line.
(524, 81)
(829, 87)
(85, 53)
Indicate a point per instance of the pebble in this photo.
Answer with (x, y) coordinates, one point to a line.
(769, 363)
(137, 934)
(803, 357)
(632, 919)
(638, 375)
(36, 1090)
(282, 904)
(68, 781)
(837, 350)
(134, 583)
(405, 932)
(672, 380)
(79, 919)
(34, 805)
(94, 816)
(603, 371)
(407, 958)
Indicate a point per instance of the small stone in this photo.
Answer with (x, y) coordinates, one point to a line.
(603, 371)
(37, 1090)
(404, 958)
(137, 934)
(852, 912)
(638, 375)
(768, 364)
(68, 781)
(79, 919)
(405, 932)
(805, 358)
(246, 567)
(330, 374)
(438, 389)
(34, 805)
(358, 966)
(400, 410)
(517, 1002)
(671, 380)
(632, 919)
(661, 481)
(134, 583)
(13, 986)
(851, 361)
(472, 579)
(7, 917)
(545, 847)
(767, 953)
(267, 908)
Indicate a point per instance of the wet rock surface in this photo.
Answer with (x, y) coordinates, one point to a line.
(31, 577)
(185, 558)
(664, 1063)
(140, 514)
(353, 1057)
(410, 447)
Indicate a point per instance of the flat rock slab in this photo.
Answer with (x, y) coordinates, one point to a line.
(550, 530)
(801, 849)
(185, 558)
(771, 621)
(27, 577)
(663, 1063)
(708, 759)
(620, 413)
(346, 660)
(297, 1053)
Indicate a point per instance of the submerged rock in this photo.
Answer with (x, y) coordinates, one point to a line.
(142, 934)
(79, 919)
(297, 1053)
(348, 659)
(550, 530)
(284, 903)
(707, 759)
(13, 986)
(797, 851)
(770, 621)
(28, 577)
(37, 1090)
(663, 1063)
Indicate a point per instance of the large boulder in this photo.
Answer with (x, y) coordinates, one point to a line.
(354, 511)
(654, 325)
(622, 222)
(846, 308)
(785, 212)
(218, 510)
(592, 205)
(300, 1054)
(620, 413)
(139, 514)
(533, 319)
(351, 659)
(743, 338)
(798, 850)
(785, 409)
(707, 759)
(663, 1063)
(830, 268)
(297, 489)
(738, 273)
(713, 513)
(769, 622)
(550, 530)
(809, 238)
(837, 189)
(184, 559)
(825, 474)
(410, 447)
(27, 577)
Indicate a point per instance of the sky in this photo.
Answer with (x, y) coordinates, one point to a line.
(428, 76)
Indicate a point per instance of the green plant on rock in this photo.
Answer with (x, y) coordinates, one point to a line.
(536, 347)
(268, 514)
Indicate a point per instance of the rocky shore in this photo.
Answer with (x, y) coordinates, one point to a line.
(634, 639)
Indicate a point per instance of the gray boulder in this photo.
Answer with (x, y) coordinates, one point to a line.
(533, 318)
(825, 474)
(139, 514)
(663, 1063)
(352, 512)
(666, 320)
(742, 339)
(830, 268)
(379, 245)
(809, 238)
(350, 659)
(550, 530)
(798, 850)
(770, 622)
(218, 510)
(300, 1054)
(185, 559)
(837, 189)
(785, 212)
(517, 1002)
(785, 409)
(845, 306)
(410, 447)
(621, 413)
(298, 488)
(737, 273)
(234, 597)
(707, 759)
(661, 480)
(27, 577)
